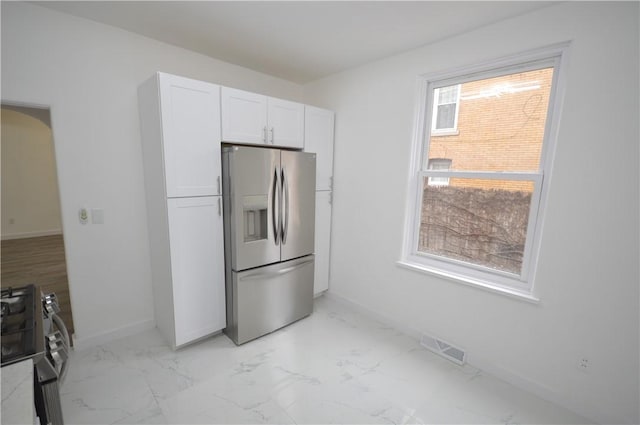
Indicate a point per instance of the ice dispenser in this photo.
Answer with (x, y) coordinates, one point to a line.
(255, 217)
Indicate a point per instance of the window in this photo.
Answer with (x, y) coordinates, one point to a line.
(439, 164)
(445, 109)
(477, 195)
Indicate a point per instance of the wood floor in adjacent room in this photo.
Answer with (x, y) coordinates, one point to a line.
(39, 261)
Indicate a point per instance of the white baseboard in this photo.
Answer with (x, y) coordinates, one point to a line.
(108, 336)
(589, 412)
(25, 235)
(407, 330)
(319, 294)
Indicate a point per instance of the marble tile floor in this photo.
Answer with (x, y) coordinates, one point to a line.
(336, 366)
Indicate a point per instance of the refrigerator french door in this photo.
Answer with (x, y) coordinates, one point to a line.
(269, 224)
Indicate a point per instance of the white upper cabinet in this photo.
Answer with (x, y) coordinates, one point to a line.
(318, 138)
(286, 123)
(244, 116)
(190, 117)
(256, 119)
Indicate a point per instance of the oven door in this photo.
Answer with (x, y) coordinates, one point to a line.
(47, 393)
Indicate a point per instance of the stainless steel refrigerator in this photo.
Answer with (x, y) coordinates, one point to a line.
(269, 222)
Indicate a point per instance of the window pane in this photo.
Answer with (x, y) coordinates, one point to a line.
(501, 123)
(439, 164)
(446, 116)
(483, 222)
(448, 94)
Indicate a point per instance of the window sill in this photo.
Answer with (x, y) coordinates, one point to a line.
(435, 133)
(465, 280)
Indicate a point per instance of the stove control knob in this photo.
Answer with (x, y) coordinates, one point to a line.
(54, 336)
(55, 345)
(50, 304)
(59, 356)
(55, 341)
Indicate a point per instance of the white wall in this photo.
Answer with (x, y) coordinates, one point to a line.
(88, 74)
(587, 277)
(30, 202)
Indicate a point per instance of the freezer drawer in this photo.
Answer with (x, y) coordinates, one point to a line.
(267, 298)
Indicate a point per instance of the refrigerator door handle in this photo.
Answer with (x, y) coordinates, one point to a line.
(275, 207)
(263, 275)
(285, 188)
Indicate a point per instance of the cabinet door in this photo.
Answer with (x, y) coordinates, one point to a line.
(244, 116)
(323, 241)
(190, 112)
(286, 123)
(197, 266)
(318, 138)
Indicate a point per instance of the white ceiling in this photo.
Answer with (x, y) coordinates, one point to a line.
(299, 41)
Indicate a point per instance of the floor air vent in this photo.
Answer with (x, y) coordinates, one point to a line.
(446, 350)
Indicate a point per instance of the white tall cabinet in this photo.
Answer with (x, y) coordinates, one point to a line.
(318, 138)
(180, 126)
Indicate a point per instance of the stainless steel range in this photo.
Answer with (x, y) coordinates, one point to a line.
(31, 329)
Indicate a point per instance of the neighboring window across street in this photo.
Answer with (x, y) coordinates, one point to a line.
(439, 164)
(445, 108)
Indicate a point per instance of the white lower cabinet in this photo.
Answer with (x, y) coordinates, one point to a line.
(322, 241)
(197, 267)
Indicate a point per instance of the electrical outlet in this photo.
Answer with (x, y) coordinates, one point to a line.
(584, 364)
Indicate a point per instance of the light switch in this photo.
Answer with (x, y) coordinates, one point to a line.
(83, 215)
(97, 216)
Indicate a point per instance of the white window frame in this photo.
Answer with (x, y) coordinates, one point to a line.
(520, 286)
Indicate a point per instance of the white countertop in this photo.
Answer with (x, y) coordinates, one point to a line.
(17, 393)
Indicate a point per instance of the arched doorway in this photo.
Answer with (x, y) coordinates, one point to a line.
(32, 243)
